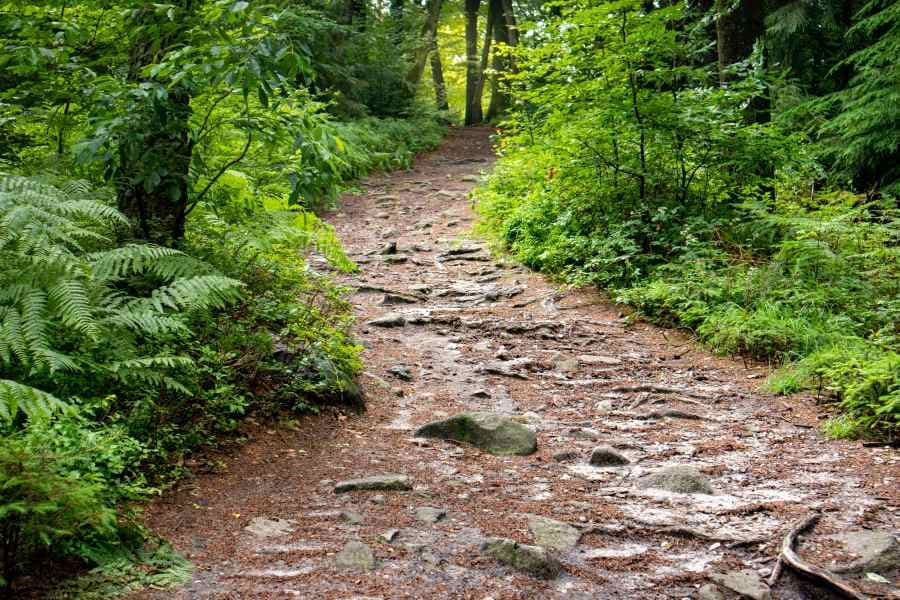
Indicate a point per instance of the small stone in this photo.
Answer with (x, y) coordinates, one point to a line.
(490, 432)
(377, 499)
(351, 517)
(606, 456)
(389, 320)
(746, 583)
(551, 534)
(430, 514)
(387, 482)
(355, 556)
(401, 372)
(389, 248)
(481, 394)
(265, 527)
(679, 479)
(388, 536)
(592, 359)
(566, 456)
(671, 413)
(709, 592)
(395, 258)
(533, 560)
(394, 299)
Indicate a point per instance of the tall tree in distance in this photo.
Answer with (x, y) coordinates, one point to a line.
(473, 113)
(437, 77)
(739, 25)
(427, 42)
(506, 34)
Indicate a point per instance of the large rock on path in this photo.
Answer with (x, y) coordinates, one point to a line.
(678, 479)
(876, 551)
(532, 560)
(490, 432)
(606, 456)
(355, 556)
(388, 481)
(552, 534)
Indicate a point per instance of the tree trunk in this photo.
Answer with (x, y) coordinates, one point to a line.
(473, 101)
(511, 26)
(738, 26)
(437, 76)
(499, 97)
(486, 49)
(155, 156)
(426, 41)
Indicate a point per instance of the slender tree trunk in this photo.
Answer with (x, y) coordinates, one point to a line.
(511, 26)
(437, 76)
(426, 41)
(738, 27)
(486, 50)
(155, 156)
(473, 101)
(499, 97)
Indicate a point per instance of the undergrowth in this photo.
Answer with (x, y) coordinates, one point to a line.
(119, 360)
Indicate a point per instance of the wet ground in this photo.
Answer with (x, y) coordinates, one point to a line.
(448, 327)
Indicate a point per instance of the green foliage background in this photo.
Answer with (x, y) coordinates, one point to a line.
(627, 164)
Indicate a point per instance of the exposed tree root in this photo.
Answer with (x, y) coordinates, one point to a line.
(790, 558)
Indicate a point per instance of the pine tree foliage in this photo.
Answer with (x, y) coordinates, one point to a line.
(71, 300)
(864, 135)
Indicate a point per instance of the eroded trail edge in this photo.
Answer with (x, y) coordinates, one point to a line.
(659, 471)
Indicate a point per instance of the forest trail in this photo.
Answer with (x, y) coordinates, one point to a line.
(449, 328)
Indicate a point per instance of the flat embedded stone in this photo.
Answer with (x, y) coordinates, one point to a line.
(386, 482)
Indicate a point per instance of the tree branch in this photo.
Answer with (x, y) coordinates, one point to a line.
(221, 172)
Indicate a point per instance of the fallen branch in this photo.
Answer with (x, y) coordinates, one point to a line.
(790, 558)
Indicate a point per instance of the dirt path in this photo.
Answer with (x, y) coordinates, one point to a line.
(477, 334)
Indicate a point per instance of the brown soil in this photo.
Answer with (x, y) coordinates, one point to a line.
(762, 454)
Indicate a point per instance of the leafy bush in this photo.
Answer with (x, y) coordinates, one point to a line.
(626, 165)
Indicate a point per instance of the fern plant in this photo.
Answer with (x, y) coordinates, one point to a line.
(72, 301)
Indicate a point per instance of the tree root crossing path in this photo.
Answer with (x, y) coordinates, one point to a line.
(522, 440)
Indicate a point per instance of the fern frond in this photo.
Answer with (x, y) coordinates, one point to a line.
(16, 397)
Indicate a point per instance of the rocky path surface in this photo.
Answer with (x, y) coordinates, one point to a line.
(595, 457)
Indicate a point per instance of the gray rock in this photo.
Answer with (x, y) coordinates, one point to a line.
(265, 527)
(488, 431)
(606, 456)
(532, 560)
(566, 456)
(389, 320)
(551, 534)
(351, 517)
(430, 514)
(395, 258)
(592, 359)
(394, 299)
(377, 499)
(355, 556)
(877, 551)
(679, 479)
(709, 592)
(388, 481)
(746, 583)
(388, 536)
(389, 248)
(671, 413)
(401, 372)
